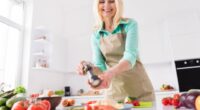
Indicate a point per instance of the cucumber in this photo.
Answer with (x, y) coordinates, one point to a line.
(14, 99)
(8, 95)
(59, 92)
(4, 108)
(2, 101)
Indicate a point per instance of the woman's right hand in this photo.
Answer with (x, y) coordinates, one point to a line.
(80, 68)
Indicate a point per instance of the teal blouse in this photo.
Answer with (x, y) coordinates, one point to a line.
(131, 45)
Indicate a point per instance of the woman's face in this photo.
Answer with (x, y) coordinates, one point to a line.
(107, 8)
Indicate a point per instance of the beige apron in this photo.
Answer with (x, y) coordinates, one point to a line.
(135, 82)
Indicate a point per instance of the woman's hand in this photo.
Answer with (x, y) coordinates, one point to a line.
(106, 78)
(80, 68)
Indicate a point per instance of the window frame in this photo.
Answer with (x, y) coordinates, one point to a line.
(21, 29)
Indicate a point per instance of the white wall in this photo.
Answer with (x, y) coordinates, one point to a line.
(49, 14)
(159, 21)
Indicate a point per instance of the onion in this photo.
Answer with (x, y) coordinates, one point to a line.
(182, 100)
(190, 99)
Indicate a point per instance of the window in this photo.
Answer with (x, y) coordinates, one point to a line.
(11, 37)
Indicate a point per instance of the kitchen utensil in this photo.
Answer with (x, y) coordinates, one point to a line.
(94, 80)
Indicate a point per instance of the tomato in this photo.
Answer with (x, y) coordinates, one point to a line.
(46, 103)
(91, 102)
(175, 102)
(34, 95)
(37, 106)
(135, 103)
(87, 107)
(176, 96)
(106, 107)
(170, 100)
(95, 107)
(165, 101)
(20, 105)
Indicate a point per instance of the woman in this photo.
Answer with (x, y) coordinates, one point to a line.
(115, 54)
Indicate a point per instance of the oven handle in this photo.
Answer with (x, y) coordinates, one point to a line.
(191, 67)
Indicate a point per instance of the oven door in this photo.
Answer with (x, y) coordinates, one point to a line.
(188, 78)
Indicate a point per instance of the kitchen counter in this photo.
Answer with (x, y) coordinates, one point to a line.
(81, 99)
(156, 106)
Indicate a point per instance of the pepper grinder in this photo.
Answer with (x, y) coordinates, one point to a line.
(94, 80)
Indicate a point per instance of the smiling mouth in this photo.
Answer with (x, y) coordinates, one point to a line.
(107, 11)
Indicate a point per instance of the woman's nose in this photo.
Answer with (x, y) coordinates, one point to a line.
(106, 5)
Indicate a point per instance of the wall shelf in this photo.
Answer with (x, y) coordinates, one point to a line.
(48, 69)
(166, 92)
(157, 62)
(41, 48)
(45, 41)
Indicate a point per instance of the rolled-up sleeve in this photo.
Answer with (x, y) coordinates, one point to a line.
(131, 46)
(97, 57)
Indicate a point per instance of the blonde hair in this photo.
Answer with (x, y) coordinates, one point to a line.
(117, 17)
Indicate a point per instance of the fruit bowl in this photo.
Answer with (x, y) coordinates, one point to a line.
(55, 101)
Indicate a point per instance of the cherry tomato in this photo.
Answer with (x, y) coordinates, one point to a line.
(176, 96)
(135, 103)
(165, 101)
(170, 100)
(175, 102)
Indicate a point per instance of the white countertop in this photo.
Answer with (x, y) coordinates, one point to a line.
(156, 106)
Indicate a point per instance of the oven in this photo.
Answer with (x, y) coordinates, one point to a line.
(188, 73)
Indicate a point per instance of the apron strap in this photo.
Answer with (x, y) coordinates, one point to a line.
(122, 29)
(123, 33)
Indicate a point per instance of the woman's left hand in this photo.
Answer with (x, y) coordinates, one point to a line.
(106, 78)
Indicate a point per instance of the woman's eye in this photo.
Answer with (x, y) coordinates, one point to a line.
(101, 1)
(109, 1)
(112, 1)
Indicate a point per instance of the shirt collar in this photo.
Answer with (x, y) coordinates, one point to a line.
(122, 21)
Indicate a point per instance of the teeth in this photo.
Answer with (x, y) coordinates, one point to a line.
(107, 10)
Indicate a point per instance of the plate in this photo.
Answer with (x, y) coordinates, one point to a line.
(126, 107)
(81, 107)
(77, 107)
